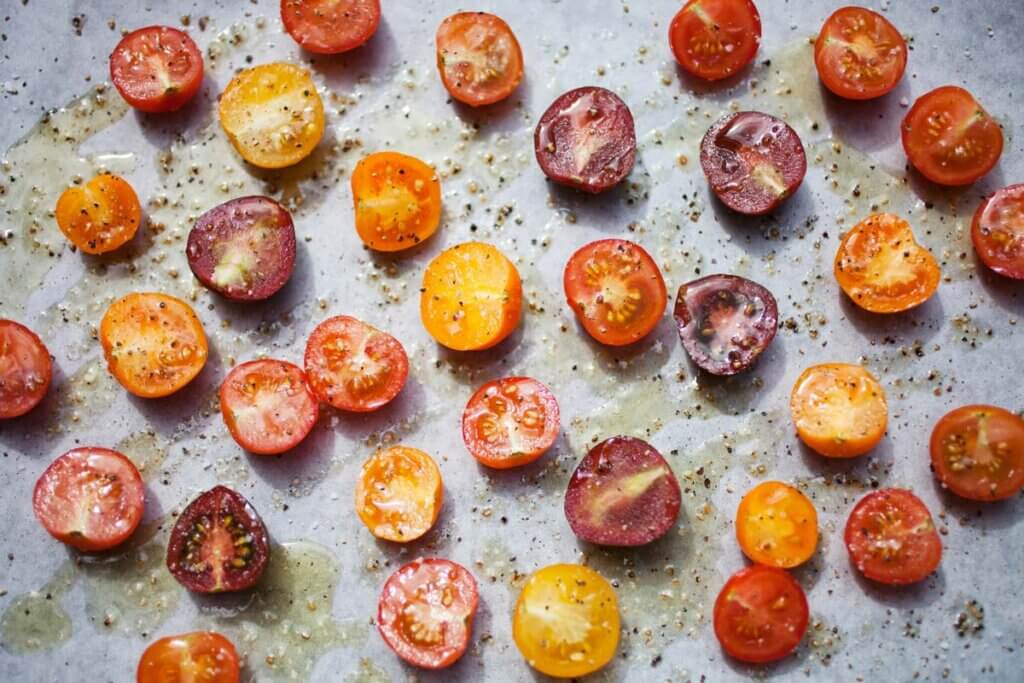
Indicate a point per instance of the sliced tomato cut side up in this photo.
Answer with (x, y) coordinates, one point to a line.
(891, 537)
(157, 69)
(330, 26)
(978, 452)
(397, 201)
(839, 409)
(761, 614)
(510, 422)
(101, 215)
(998, 232)
(25, 369)
(426, 611)
(777, 525)
(714, 39)
(479, 58)
(399, 494)
(859, 54)
(267, 406)
(199, 657)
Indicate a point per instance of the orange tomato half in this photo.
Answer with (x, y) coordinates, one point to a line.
(839, 410)
(776, 525)
(397, 200)
(200, 657)
(100, 216)
(399, 492)
(479, 58)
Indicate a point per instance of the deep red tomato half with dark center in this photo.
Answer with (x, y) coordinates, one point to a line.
(157, 69)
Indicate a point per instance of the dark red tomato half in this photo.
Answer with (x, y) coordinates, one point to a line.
(998, 232)
(761, 614)
(623, 493)
(510, 422)
(157, 69)
(891, 537)
(243, 249)
(725, 322)
(267, 406)
(218, 544)
(25, 369)
(330, 26)
(714, 39)
(753, 161)
(586, 139)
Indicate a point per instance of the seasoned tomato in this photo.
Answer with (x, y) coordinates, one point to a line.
(90, 498)
(157, 69)
(882, 268)
(859, 54)
(714, 39)
(777, 525)
(218, 544)
(479, 58)
(154, 343)
(199, 657)
(586, 139)
(472, 297)
(100, 216)
(25, 369)
(243, 249)
(616, 291)
(950, 138)
(267, 406)
(397, 201)
(725, 322)
(998, 232)
(330, 26)
(399, 493)
(272, 114)
(761, 614)
(622, 493)
(891, 538)
(354, 366)
(426, 611)
(978, 452)
(566, 621)
(510, 422)
(752, 161)
(839, 410)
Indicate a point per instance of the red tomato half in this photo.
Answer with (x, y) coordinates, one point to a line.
(859, 54)
(90, 498)
(510, 422)
(761, 614)
(267, 406)
(25, 369)
(891, 537)
(426, 612)
(978, 452)
(157, 69)
(330, 26)
(200, 657)
(713, 39)
(998, 232)
(479, 58)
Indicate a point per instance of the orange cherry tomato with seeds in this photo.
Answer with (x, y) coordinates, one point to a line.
(891, 537)
(761, 614)
(154, 343)
(714, 39)
(839, 409)
(616, 291)
(330, 27)
(397, 201)
(472, 297)
(776, 525)
(157, 69)
(267, 406)
(399, 493)
(479, 58)
(25, 369)
(978, 452)
(859, 54)
(950, 138)
(426, 611)
(354, 366)
(101, 216)
(510, 422)
(882, 268)
(998, 232)
(199, 657)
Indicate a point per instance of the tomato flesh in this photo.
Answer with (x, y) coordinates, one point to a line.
(977, 452)
(199, 657)
(776, 525)
(25, 369)
(510, 422)
(397, 201)
(267, 406)
(839, 410)
(891, 537)
(479, 58)
(998, 232)
(157, 69)
(859, 54)
(330, 26)
(399, 493)
(100, 216)
(714, 39)
(761, 614)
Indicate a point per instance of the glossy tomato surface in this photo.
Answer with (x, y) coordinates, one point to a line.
(859, 54)
(714, 39)
(978, 452)
(267, 406)
(198, 657)
(479, 58)
(839, 410)
(891, 537)
(761, 614)
(330, 26)
(399, 494)
(998, 232)
(99, 216)
(510, 422)
(397, 201)
(777, 525)
(25, 369)
(157, 69)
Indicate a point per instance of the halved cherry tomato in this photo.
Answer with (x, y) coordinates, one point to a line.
(272, 114)
(882, 268)
(479, 58)
(891, 537)
(510, 422)
(154, 343)
(616, 291)
(978, 452)
(998, 232)
(761, 614)
(101, 216)
(950, 138)
(267, 406)
(219, 543)
(399, 494)
(25, 369)
(472, 297)
(839, 409)
(725, 322)
(354, 366)
(199, 657)
(157, 69)
(566, 621)
(90, 498)
(330, 27)
(713, 39)
(859, 54)
(777, 525)
(426, 611)
(397, 200)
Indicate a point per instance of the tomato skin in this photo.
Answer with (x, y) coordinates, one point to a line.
(506, 413)
(397, 201)
(977, 452)
(101, 216)
(330, 27)
(859, 54)
(714, 39)
(761, 614)
(891, 538)
(399, 494)
(141, 69)
(420, 590)
(776, 525)
(198, 657)
(467, 39)
(998, 232)
(839, 410)
(25, 369)
(90, 498)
